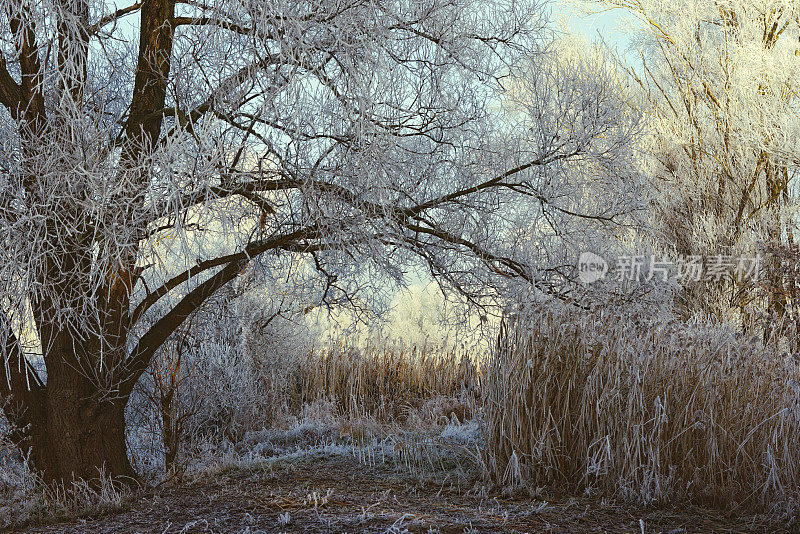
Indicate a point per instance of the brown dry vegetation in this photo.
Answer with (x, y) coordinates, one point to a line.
(392, 384)
(607, 421)
(659, 412)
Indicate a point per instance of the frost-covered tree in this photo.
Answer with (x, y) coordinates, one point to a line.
(722, 79)
(151, 152)
(597, 200)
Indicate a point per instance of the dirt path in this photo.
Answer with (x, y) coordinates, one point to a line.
(337, 494)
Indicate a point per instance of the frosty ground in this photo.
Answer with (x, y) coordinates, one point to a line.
(333, 492)
(281, 482)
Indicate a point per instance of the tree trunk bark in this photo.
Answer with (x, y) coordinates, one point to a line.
(84, 439)
(84, 431)
(78, 438)
(76, 433)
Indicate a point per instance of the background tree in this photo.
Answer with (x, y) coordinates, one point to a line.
(721, 79)
(144, 167)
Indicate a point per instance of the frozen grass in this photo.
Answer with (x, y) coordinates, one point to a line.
(655, 411)
(444, 457)
(25, 499)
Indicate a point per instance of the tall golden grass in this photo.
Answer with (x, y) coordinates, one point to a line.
(660, 411)
(387, 381)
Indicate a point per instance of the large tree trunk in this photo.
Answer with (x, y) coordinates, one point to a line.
(68, 428)
(79, 442)
(85, 435)
(78, 437)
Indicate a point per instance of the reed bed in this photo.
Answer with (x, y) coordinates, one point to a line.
(651, 411)
(390, 381)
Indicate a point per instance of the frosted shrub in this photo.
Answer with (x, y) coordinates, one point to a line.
(274, 353)
(231, 393)
(238, 359)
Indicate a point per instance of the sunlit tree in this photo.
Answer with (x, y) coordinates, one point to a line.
(722, 79)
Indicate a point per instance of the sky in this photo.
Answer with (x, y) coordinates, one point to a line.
(608, 25)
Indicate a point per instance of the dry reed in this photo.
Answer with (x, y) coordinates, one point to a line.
(389, 382)
(655, 411)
